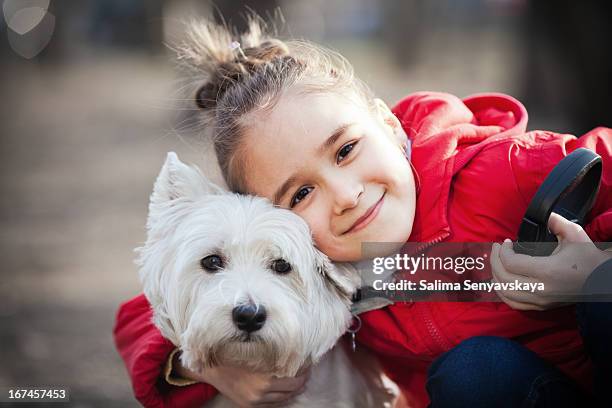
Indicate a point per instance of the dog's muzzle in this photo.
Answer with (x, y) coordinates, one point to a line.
(249, 317)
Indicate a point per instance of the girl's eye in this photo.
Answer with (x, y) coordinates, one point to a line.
(212, 263)
(345, 151)
(300, 195)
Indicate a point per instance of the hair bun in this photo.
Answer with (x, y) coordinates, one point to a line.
(267, 50)
(204, 95)
(207, 52)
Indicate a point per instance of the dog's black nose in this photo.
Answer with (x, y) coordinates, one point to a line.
(249, 317)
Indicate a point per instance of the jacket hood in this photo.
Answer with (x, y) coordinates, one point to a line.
(445, 132)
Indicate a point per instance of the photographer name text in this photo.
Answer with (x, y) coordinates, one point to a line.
(467, 285)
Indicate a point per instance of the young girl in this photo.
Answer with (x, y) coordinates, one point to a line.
(291, 123)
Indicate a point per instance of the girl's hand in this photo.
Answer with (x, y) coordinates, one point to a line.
(563, 273)
(247, 388)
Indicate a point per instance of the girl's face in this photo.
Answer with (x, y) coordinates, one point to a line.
(336, 164)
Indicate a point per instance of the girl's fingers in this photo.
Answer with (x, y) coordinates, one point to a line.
(517, 305)
(497, 269)
(499, 272)
(517, 299)
(298, 392)
(272, 399)
(288, 384)
(519, 264)
(566, 230)
(521, 296)
(512, 303)
(505, 271)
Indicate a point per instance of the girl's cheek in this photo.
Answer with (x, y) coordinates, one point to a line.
(316, 214)
(319, 232)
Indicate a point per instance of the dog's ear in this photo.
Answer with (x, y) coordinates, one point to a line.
(342, 276)
(176, 180)
(151, 271)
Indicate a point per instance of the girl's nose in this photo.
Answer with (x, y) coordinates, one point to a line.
(346, 195)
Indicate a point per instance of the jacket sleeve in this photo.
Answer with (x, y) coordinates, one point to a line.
(550, 148)
(598, 223)
(145, 352)
(599, 283)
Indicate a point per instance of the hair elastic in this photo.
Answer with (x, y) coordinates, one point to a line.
(235, 45)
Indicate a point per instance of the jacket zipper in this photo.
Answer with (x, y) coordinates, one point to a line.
(425, 310)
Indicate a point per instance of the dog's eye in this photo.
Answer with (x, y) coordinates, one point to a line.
(281, 266)
(212, 263)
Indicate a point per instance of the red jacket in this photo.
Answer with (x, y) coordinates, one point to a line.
(477, 170)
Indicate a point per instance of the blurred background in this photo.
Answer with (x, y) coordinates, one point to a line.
(91, 103)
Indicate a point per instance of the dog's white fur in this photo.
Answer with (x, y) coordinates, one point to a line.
(307, 308)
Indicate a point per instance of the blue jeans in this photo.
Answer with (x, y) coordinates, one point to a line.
(489, 371)
(595, 322)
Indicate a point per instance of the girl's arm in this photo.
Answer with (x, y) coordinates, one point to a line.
(565, 271)
(577, 269)
(245, 387)
(145, 352)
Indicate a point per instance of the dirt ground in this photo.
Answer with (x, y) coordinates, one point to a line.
(81, 145)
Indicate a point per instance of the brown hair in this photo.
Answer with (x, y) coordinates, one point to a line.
(237, 78)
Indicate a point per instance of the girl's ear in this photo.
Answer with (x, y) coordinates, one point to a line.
(390, 120)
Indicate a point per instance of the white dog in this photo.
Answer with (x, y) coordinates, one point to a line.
(235, 281)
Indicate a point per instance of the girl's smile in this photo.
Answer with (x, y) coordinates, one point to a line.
(335, 162)
(366, 218)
